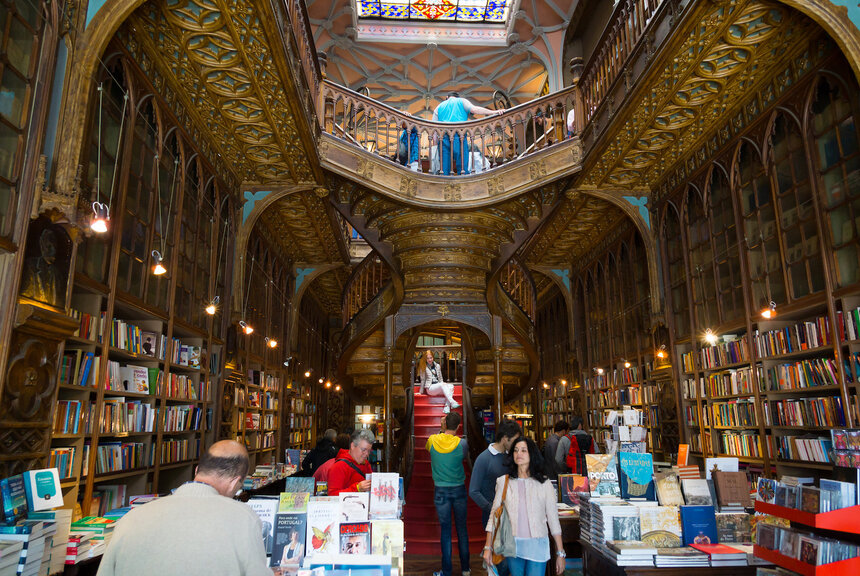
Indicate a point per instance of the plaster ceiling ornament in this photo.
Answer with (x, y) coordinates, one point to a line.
(729, 51)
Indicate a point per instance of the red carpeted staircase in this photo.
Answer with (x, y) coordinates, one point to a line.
(421, 521)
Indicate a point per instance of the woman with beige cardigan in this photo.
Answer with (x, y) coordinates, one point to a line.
(531, 508)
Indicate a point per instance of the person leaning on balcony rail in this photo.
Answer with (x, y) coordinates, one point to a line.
(457, 109)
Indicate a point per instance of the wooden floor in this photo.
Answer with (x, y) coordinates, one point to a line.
(416, 565)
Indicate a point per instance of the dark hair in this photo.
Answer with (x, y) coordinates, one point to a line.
(223, 466)
(342, 441)
(452, 421)
(536, 463)
(508, 429)
(561, 426)
(453, 94)
(575, 422)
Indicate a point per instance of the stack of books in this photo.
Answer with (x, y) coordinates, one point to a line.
(631, 552)
(10, 553)
(680, 557)
(78, 547)
(722, 555)
(101, 529)
(31, 535)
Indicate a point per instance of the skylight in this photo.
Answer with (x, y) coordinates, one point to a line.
(467, 11)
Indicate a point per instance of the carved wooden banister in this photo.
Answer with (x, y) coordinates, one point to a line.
(365, 283)
(487, 142)
(300, 24)
(518, 284)
(626, 28)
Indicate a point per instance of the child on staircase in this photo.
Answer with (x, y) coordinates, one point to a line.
(430, 374)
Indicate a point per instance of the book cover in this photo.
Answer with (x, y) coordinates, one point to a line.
(790, 544)
(766, 490)
(725, 464)
(602, 475)
(733, 527)
(691, 471)
(355, 538)
(293, 457)
(699, 525)
(384, 492)
(265, 507)
(43, 489)
(387, 537)
(289, 543)
(625, 527)
(149, 343)
(668, 489)
(733, 489)
(809, 550)
(323, 525)
(697, 492)
(810, 499)
(660, 526)
(194, 356)
(570, 486)
(683, 454)
(14, 497)
(354, 506)
(299, 484)
(637, 476)
(139, 380)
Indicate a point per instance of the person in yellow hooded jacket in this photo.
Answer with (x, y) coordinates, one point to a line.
(448, 452)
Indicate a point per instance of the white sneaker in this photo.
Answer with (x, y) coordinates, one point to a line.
(455, 405)
(446, 409)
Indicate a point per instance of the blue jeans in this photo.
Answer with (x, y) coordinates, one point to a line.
(502, 567)
(520, 567)
(459, 155)
(450, 499)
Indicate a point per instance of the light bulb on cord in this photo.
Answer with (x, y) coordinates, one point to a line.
(321, 380)
(599, 371)
(308, 374)
(661, 352)
(626, 364)
(337, 388)
(328, 384)
(158, 269)
(101, 217)
(770, 311)
(212, 307)
(271, 342)
(710, 337)
(246, 328)
(545, 386)
(564, 382)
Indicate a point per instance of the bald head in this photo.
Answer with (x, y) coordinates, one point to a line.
(224, 466)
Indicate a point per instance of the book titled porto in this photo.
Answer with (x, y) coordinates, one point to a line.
(387, 537)
(323, 525)
(699, 524)
(289, 542)
(602, 474)
(384, 495)
(355, 538)
(637, 476)
(570, 486)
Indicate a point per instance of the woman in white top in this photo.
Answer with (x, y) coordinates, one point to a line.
(531, 508)
(430, 374)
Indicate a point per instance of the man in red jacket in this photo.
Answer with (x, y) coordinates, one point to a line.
(350, 469)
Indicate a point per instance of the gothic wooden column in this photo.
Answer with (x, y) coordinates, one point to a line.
(498, 399)
(388, 438)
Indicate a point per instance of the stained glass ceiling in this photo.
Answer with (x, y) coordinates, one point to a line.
(471, 11)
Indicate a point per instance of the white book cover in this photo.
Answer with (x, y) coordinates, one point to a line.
(354, 506)
(265, 508)
(384, 495)
(725, 464)
(323, 533)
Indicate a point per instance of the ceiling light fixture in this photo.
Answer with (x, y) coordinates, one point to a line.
(710, 337)
(770, 311)
(271, 342)
(661, 352)
(246, 328)
(212, 307)
(307, 374)
(158, 268)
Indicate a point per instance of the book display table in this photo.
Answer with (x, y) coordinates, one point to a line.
(597, 564)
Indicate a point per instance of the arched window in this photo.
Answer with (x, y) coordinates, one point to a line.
(188, 244)
(760, 232)
(169, 169)
(795, 209)
(679, 303)
(726, 253)
(701, 261)
(838, 162)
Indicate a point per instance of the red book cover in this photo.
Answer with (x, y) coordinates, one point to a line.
(711, 549)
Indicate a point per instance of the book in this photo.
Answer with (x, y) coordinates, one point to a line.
(570, 486)
(384, 495)
(43, 489)
(323, 528)
(293, 457)
(683, 454)
(387, 537)
(810, 499)
(636, 476)
(289, 540)
(625, 527)
(354, 506)
(699, 525)
(725, 464)
(266, 507)
(660, 526)
(766, 490)
(355, 538)
(149, 344)
(721, 555)
(847, 492)
(668, 489)
(809, 550)
(691, 472)
(733, 527)
(696, 492)
(789, 544)
(14, 497)
(733, 489)
(299, 484)
(602, 475)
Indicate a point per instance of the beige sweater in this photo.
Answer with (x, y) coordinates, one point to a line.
(541, 506)
(193, 531)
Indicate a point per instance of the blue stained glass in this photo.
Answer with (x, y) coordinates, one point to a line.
(368, 8)
(470, 14)
(496, 11)
(396, 11)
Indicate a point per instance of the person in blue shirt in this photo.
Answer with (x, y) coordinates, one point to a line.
(457, 109)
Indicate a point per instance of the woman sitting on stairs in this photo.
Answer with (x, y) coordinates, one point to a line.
(430, 374)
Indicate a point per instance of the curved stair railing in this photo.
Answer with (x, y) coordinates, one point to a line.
(364, 285)
(488, 142)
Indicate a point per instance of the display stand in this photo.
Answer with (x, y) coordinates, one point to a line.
(596, 564)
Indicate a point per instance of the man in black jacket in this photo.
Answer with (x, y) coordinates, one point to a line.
(324, 450)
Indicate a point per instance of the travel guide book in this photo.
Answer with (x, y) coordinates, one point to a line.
(289, 544)
(602, 475)
(637, 476)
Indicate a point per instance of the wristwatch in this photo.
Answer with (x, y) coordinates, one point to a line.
(560, 554)
(487, 548)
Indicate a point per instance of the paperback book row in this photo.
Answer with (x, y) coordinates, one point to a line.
(809, 548)
(800, 494)
(302, 529)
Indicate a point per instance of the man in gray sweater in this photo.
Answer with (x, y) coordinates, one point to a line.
(199, 529)
(489, 465)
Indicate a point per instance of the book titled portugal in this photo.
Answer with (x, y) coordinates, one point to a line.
(289, 543)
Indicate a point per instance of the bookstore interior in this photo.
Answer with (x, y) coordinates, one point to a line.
(237, 220)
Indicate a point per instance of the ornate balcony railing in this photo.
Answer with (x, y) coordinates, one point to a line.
(518, 284)
(366, 282)
(429, 146)
(300, 24)
(628, 25)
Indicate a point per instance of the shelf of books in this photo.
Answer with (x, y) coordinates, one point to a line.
(561, 401)
(771, 397)
(256, 415)
(302, 411)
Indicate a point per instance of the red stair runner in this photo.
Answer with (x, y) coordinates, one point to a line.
(421, 522)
